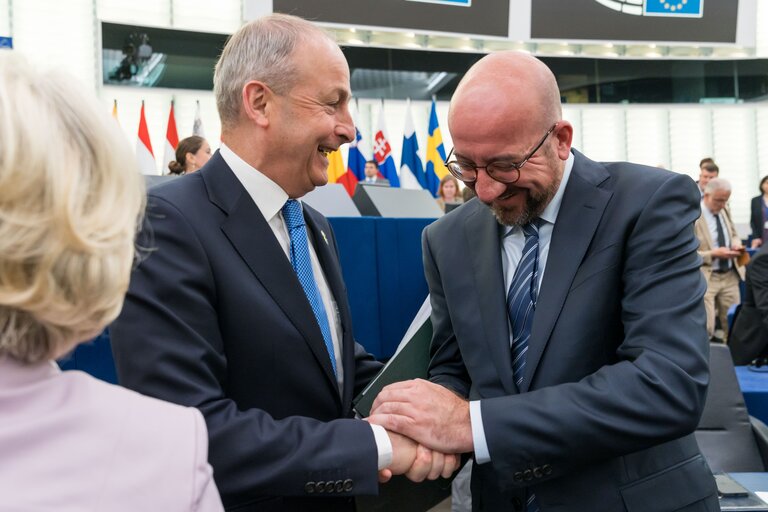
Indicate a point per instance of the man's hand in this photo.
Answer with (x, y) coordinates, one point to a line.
(417, 462)
(724, 253)
(756, 242)
(428, 413)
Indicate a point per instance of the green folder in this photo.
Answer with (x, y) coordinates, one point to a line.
(411, 361)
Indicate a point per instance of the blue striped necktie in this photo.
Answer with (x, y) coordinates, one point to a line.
(521, 305)
(302, 265)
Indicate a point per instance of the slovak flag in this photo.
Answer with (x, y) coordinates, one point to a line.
(411, 168)
(171, 140)
(382, 152)
(144, 153)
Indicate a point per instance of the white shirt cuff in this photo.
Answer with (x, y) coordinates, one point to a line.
(478, 433)
(383, 445)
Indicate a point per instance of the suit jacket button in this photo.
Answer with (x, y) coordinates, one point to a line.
(547, 469)
(537, 472)
(348, 485)
(528, 474)
(339, 487)
(309, 487)
(320, 486)
(329, 486)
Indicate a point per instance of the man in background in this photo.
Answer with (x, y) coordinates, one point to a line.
(719, 247)
(707, 170)
(569, 349)
(372, 176)
(239, 307)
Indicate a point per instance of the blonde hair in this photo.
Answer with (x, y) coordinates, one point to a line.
(260, 50)
(70, 201)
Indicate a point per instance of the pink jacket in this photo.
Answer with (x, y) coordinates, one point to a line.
(70, 442)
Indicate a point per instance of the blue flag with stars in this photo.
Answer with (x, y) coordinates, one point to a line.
(682, 8)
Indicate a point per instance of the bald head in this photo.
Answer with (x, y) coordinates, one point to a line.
(515, 83)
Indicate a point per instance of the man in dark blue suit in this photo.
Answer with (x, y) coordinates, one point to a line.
(238, 307)
(570, 350)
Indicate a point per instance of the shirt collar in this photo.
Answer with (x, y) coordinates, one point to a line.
(553, 208)
(267, 194)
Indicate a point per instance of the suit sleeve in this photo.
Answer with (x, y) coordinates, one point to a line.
(168, 344)
(706, 255)
(446, 365)
(654, 391)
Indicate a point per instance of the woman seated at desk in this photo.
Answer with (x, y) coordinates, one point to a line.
(448, 192)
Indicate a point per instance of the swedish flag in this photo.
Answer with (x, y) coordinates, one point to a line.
(682, 8)
(435, 153)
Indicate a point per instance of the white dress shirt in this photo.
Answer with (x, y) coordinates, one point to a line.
(270, 199)
(512, 243)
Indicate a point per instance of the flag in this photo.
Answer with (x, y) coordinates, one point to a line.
(144, 154)
(677, 8)
(171, 140)
(197, 127)
(335, 166)
(411, 168)
(382, 152)
(356, 160)
(435, 153)
(355, 165)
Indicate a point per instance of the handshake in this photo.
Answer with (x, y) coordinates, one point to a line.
(429, 428)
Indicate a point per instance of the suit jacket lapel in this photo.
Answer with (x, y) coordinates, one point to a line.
(577, 221)
(254, 241)
(482, 233)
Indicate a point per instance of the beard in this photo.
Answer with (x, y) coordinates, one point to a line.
(535, 203)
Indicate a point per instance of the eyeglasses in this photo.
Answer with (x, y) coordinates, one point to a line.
(504, 172)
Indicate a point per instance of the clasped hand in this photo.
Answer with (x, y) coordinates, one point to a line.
(432, 416)
(417, 462)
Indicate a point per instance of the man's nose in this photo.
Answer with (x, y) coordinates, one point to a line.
(486, 188)
(345, 126)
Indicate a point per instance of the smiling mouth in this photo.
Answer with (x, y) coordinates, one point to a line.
(511, 193)
(325, 150)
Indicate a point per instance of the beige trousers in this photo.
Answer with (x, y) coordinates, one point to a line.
(722, 293)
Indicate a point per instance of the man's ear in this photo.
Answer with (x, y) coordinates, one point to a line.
(256, 96)
(564, 136)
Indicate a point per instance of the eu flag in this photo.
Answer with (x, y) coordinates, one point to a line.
(681, 8)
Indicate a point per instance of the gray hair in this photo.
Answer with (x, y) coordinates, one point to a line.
(716, 184)
(261, 50)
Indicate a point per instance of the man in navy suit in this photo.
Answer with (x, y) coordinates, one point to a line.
(570, 351)
(238, 306)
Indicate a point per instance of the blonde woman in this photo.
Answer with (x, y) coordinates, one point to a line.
(67, 224)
